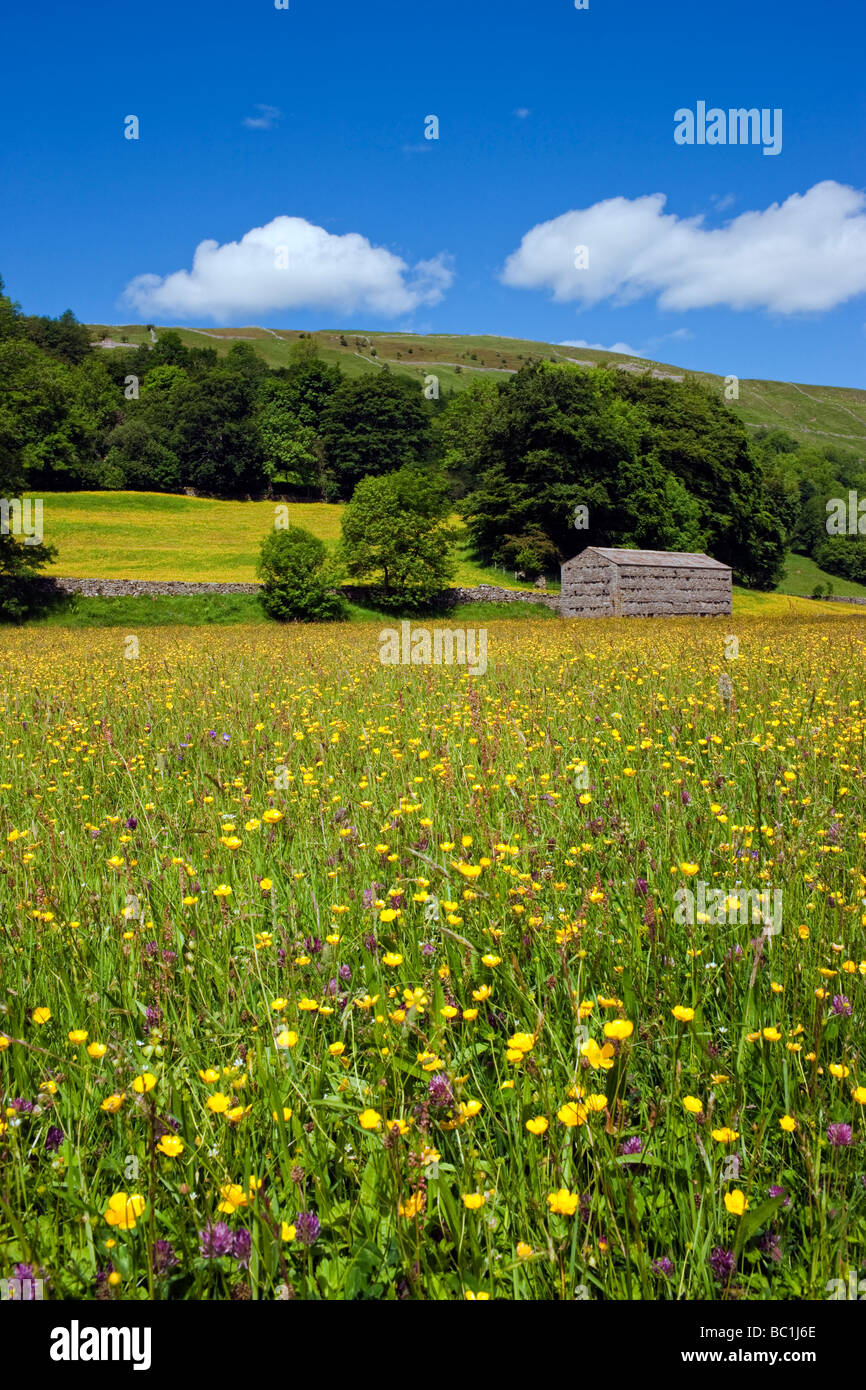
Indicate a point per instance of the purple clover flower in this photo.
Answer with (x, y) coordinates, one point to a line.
(769, 1246)
(439, 1089)
(842, 1005)
(839, 1135)
(164, 1258)
(216, 1240)
(663, 1266)
(53, 1139)
(242, 1247)
(632, 1145)
(723, 1264)
(307, 1227)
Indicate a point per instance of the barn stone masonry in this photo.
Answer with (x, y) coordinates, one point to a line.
(608, 583)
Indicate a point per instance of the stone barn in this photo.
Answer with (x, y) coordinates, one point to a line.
(607, 583)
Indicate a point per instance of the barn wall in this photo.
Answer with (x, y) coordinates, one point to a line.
(587, 589)
(648, 591)
(596, 588)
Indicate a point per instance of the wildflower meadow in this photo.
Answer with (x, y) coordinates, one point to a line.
(330, 979)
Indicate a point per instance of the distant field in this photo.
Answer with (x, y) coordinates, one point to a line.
(802, 574)
(817, 414)
(748, 604)
(152, 535)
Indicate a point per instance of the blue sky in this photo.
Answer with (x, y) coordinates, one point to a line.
(556, 127)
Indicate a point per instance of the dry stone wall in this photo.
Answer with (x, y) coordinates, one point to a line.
(175, 588)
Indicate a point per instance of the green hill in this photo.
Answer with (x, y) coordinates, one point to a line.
(815, 414)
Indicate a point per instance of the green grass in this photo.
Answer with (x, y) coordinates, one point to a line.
(208, 610)
(802, 574)
(748, 603)
(164, 611)
(153, 535)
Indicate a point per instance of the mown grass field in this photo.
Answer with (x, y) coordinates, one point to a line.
(338, 980)
(153, 535)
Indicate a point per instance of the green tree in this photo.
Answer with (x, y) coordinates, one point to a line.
(298, 578)
(463, 425)
(375, 425)
(64, 338)
(215, 437)
(396, 537)
(38, 425)
(559, 438)
(143, 449)
(532, 552)
(698, 439)
(11, 318)
(21, 593)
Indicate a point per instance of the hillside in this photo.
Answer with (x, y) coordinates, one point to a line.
(816, 414)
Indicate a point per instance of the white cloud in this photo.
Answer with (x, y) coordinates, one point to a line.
(806, 254)
(600, 347)
(522, 112)
(267, 117)
(291, 264)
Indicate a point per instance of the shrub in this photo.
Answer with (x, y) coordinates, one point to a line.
(532, 551)
(22, 594)
(298, 578)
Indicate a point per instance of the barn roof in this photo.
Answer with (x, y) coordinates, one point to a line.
(661, 559)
